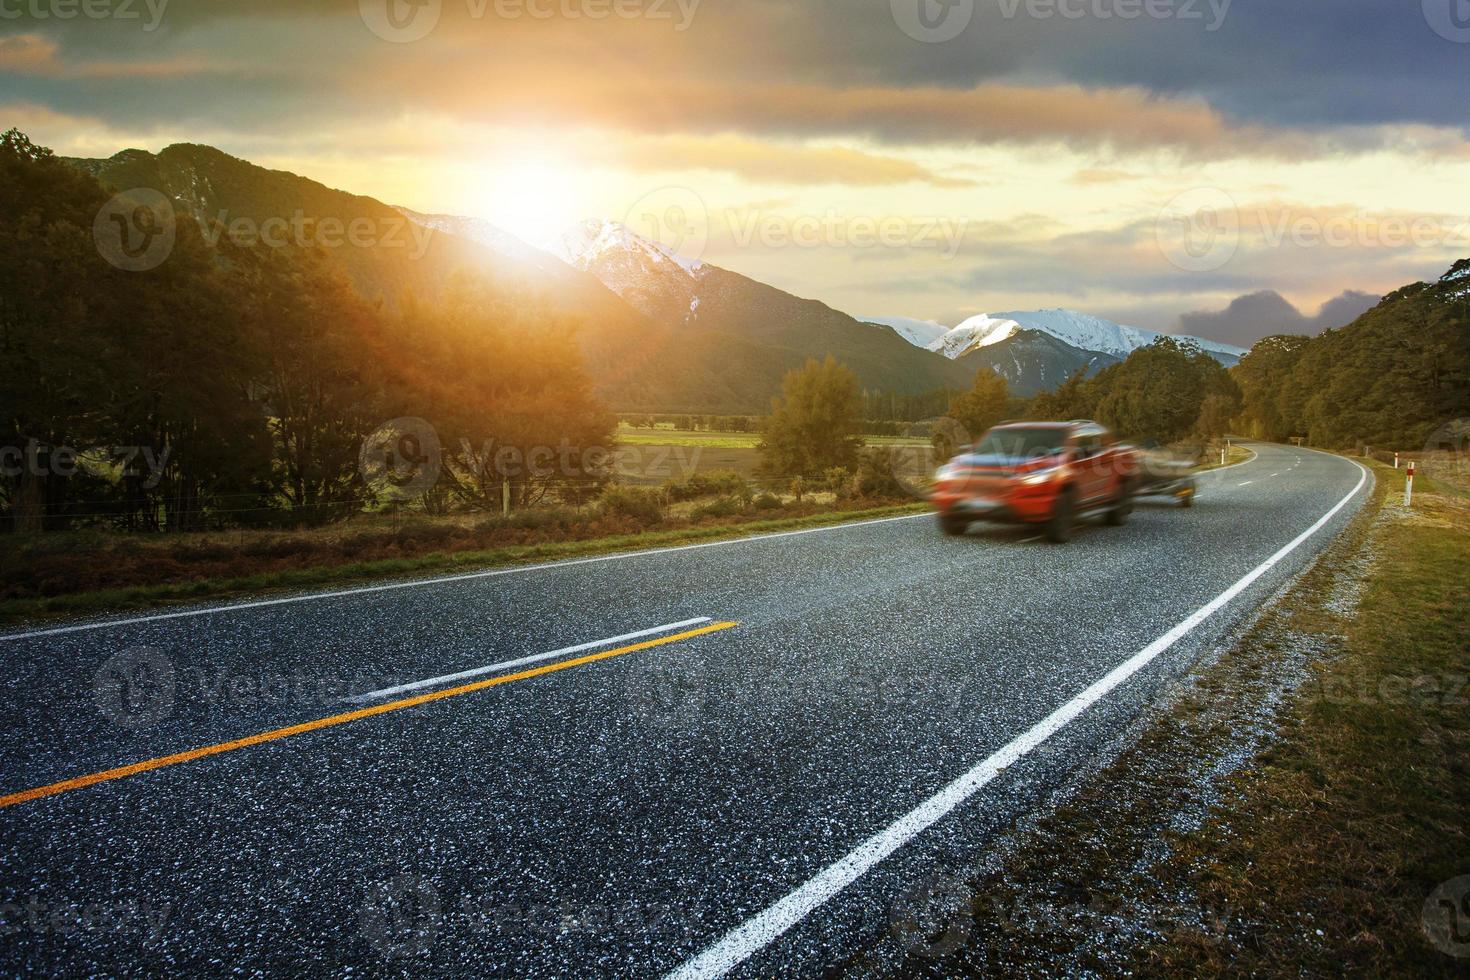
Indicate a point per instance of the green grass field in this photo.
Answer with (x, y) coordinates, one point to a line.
(629, 436)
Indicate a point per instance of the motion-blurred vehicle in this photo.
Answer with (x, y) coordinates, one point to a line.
(1044, 473)
(1162, 474)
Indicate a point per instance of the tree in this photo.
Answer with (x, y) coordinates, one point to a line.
(506, 392)
(1216, 413)
(1158, 391)
(814, 425)
(970, 414)
(1269, 406)
(1075, 398)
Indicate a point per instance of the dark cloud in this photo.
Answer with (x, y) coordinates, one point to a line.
(1313, 66)
(1249, 318)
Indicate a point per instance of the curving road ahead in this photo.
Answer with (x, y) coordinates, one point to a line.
(721, 758)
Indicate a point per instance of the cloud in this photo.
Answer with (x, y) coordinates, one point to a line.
(28, 54)
(33, 54)
(1263, 314)
(756, 160)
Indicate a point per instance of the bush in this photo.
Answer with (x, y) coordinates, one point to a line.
(724, 507)
(838, 480)
(715, 483)
(767, 501)
(877, 474)
(645, 505)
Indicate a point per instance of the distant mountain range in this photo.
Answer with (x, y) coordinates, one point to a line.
(659, 333)
(1037, 349)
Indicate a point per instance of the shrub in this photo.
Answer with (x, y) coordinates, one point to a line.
(838, 480)
(767, 501)
(723, 507)
(645, 505)
(715, 483)
(877, 474)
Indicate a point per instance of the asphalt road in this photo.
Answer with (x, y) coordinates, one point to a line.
(618, 816)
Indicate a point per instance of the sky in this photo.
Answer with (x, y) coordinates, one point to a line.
(1232, 168)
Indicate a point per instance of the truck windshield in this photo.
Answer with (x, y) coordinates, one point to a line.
(1027, 443)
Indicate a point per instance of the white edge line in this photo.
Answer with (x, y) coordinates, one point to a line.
(760, 930)
(468, 576)
(1221, 469)
(535, 658)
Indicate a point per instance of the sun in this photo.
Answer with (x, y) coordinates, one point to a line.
(534, 200)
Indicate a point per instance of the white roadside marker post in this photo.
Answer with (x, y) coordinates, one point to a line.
(1395, 460)
(1409, 486)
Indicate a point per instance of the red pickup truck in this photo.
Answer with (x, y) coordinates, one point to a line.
(1043, 473)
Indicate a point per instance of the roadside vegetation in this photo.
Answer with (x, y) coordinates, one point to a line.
(1290, 811)
(1330, 843)
(91, 570)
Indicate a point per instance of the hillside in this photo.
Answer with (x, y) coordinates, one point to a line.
(395, 258)
(1394, 377)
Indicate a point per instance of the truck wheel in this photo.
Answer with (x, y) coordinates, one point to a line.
(1117, 514)
(953, 525)
(1063, 514)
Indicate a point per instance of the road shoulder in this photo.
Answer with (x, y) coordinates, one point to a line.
(1290, 806)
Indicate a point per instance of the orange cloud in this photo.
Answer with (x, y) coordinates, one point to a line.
(779, 163)
(32, 54)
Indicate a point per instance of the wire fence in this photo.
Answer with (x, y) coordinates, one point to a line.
(1446, 466)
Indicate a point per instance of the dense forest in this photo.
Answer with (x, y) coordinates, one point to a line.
(237, 384)
(1392, 378)
(1166, 392)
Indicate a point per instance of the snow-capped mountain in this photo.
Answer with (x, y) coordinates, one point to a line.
(920, 333)
(498, 240)
(1080, 330)
(592, 240)
(651, 278)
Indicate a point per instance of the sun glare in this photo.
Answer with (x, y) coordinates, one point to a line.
(536, 202)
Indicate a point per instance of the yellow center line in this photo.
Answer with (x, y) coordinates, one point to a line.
(310, 726)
